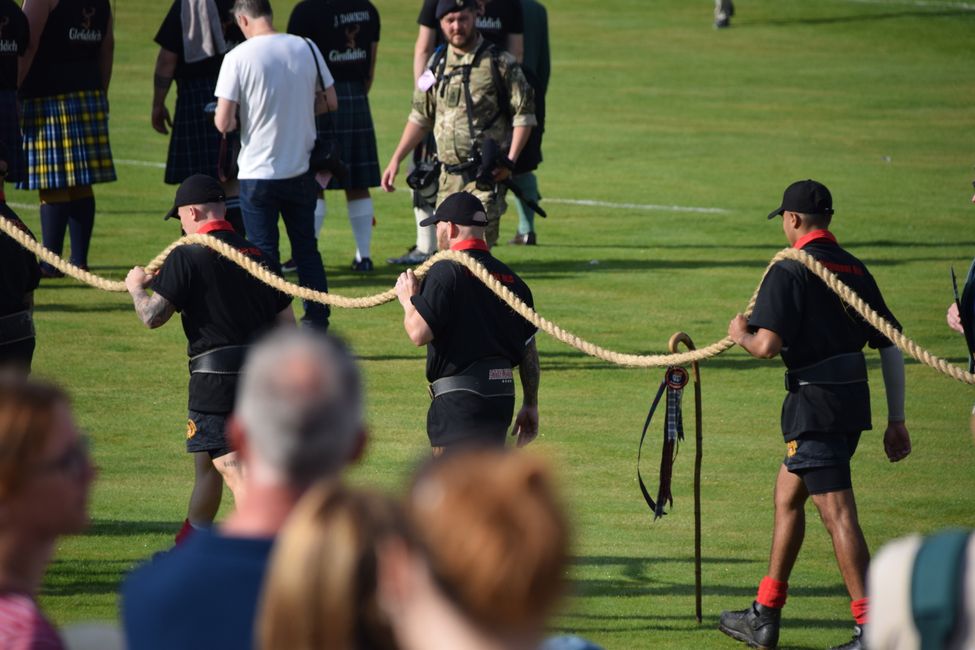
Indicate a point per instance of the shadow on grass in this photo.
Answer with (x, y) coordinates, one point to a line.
(87, 577)
(81, 308)
(119, 528)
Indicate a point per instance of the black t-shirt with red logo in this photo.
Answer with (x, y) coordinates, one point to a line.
(221, 304)
(14, 33)
(68, 56)
(496, 19)
(815, 324)
(344, 31)
(468, 321)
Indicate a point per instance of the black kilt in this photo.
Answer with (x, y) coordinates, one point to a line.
(351, 125)
(10, 134)
(195, 142)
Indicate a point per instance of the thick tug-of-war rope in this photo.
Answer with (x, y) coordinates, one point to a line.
(632, 360)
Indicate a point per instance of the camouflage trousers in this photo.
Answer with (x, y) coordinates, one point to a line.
(493, 201)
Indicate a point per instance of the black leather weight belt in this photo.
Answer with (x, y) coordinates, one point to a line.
(850, 368)
(490, 377)
(16, 327)
(219, 361)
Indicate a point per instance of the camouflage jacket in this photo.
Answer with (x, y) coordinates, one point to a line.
(444, 106)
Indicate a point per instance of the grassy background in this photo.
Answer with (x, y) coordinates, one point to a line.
(648, 105)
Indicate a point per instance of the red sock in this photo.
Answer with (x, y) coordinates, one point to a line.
(772, 593)
(859, 609)
(185, 531)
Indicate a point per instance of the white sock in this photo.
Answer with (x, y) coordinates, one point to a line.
(360, 218)
(426, 236)
(319, 217)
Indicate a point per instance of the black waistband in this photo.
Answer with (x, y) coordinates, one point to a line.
(16, 327)
(492, 377)
(849, 368)
(219, 361)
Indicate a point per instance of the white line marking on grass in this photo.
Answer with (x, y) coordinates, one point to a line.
(583, 202)
(920, 3)
(24, 206)
(140, 163)
(635, 206)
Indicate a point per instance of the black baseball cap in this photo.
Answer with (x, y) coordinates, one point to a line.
(196, 190)
(445, 7)
(461, 208)
(807, 197)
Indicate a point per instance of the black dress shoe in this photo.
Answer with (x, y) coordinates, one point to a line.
(757, 626)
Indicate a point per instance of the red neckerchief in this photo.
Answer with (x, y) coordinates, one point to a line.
(213, 226)
(472, 244)
(813, 236)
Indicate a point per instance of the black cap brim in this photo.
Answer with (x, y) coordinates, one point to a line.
(172, 213)
(776, 213)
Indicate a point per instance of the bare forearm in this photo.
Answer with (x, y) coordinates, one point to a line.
(530, 372)
(413, 134)
(519, 138)
(153, 310)
(425, 41)
(163, 77)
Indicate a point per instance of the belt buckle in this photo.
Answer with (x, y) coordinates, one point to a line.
(430, 391)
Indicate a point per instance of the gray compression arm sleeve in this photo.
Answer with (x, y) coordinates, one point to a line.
(892, 363)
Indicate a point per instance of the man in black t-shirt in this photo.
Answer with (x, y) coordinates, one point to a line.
(473, 339)
(347, 33)
(224, 309)
(19, 276)
(192, 59)
(14, 37)
(826, 408)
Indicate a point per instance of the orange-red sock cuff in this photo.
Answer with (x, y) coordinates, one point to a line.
(859, 610)
(772, 593)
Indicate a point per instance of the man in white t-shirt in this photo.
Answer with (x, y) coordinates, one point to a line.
(272, 78)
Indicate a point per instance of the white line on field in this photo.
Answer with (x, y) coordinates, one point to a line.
(23, 206)
(585, 202)
(635, 206)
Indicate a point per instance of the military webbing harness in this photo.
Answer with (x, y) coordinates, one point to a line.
(438, 66)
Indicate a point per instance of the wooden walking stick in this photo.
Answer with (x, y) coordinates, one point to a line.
(675, 341)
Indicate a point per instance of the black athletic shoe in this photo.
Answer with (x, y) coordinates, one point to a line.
(362, 266)
(289, 266)
(856, 643)
(757, 626)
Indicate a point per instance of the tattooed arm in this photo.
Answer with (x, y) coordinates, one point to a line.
(526, 424)
(154, 310)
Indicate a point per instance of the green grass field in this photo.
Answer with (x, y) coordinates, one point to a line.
(648, 106)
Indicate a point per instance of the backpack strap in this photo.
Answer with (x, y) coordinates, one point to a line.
(936, 586)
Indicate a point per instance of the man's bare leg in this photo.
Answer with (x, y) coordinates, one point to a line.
(207, 491)
(230, 468)
(790, 524)
(838, 511)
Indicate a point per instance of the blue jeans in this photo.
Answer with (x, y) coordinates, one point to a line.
(294, 199)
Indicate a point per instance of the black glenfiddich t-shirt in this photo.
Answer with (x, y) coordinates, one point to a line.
(344, 31)
(14, 32)
(498, 19)
(221, 304)
(815, 324)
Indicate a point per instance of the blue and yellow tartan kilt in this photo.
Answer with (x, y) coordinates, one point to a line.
(351, 125)
(195, 142)
(10, 135)
(66, 140)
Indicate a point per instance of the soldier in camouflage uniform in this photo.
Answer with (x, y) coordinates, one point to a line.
(440, 104)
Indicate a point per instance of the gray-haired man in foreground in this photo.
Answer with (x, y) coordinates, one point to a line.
(298, 418)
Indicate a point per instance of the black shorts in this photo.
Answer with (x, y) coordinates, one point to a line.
(464, 418)
(822, 460)
(205, 432)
